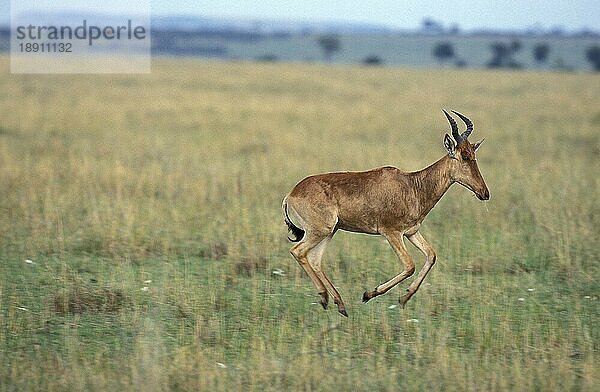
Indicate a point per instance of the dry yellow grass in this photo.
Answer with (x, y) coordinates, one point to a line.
(177, 177)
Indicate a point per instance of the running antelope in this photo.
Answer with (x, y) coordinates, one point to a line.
(384, 201)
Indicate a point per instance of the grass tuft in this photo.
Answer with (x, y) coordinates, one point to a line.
(217, 250)
(80, 300)
(249, 265)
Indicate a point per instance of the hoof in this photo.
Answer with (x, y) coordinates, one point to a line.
(324, 299)
(366, 296)
(343, 312)
(404, 299)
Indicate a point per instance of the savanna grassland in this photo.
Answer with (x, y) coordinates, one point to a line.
(142, 243)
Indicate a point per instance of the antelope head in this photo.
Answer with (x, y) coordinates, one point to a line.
(463, 165)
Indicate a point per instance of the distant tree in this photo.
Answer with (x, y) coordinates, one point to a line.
(515, 46)
(593, 56)
(454, 29)
(557, 31)
(502, 55)
(443, 51)
(500, 52)
(541, 52)
(431, 26)
(372, 60)
(330, 44)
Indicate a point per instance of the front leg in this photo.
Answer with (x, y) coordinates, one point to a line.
(396, 241)
(417, 240)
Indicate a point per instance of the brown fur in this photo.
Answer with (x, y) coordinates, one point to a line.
(384, 201)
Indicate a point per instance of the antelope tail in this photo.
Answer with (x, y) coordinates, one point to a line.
(296, 232)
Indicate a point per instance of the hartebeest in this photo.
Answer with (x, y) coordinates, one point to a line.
(384, 201)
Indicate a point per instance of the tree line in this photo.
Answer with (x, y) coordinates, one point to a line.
(502, 54)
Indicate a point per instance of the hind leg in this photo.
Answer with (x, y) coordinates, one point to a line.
(318, 220)
(300, 252)
(315, 256)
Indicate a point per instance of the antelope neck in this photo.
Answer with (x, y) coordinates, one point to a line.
(431, 183)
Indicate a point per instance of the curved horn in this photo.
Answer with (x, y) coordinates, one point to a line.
(468, 122)
(454, 127)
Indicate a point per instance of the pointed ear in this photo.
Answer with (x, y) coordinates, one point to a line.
(477, 144)
(450, 145)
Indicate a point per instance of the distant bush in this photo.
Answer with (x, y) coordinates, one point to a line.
(372, 60)
(593, 56)
(267, 58)
(460, 63)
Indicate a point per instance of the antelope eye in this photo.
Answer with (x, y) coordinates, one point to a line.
(465, 157)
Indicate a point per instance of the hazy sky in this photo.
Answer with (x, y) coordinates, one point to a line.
(573, 14)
